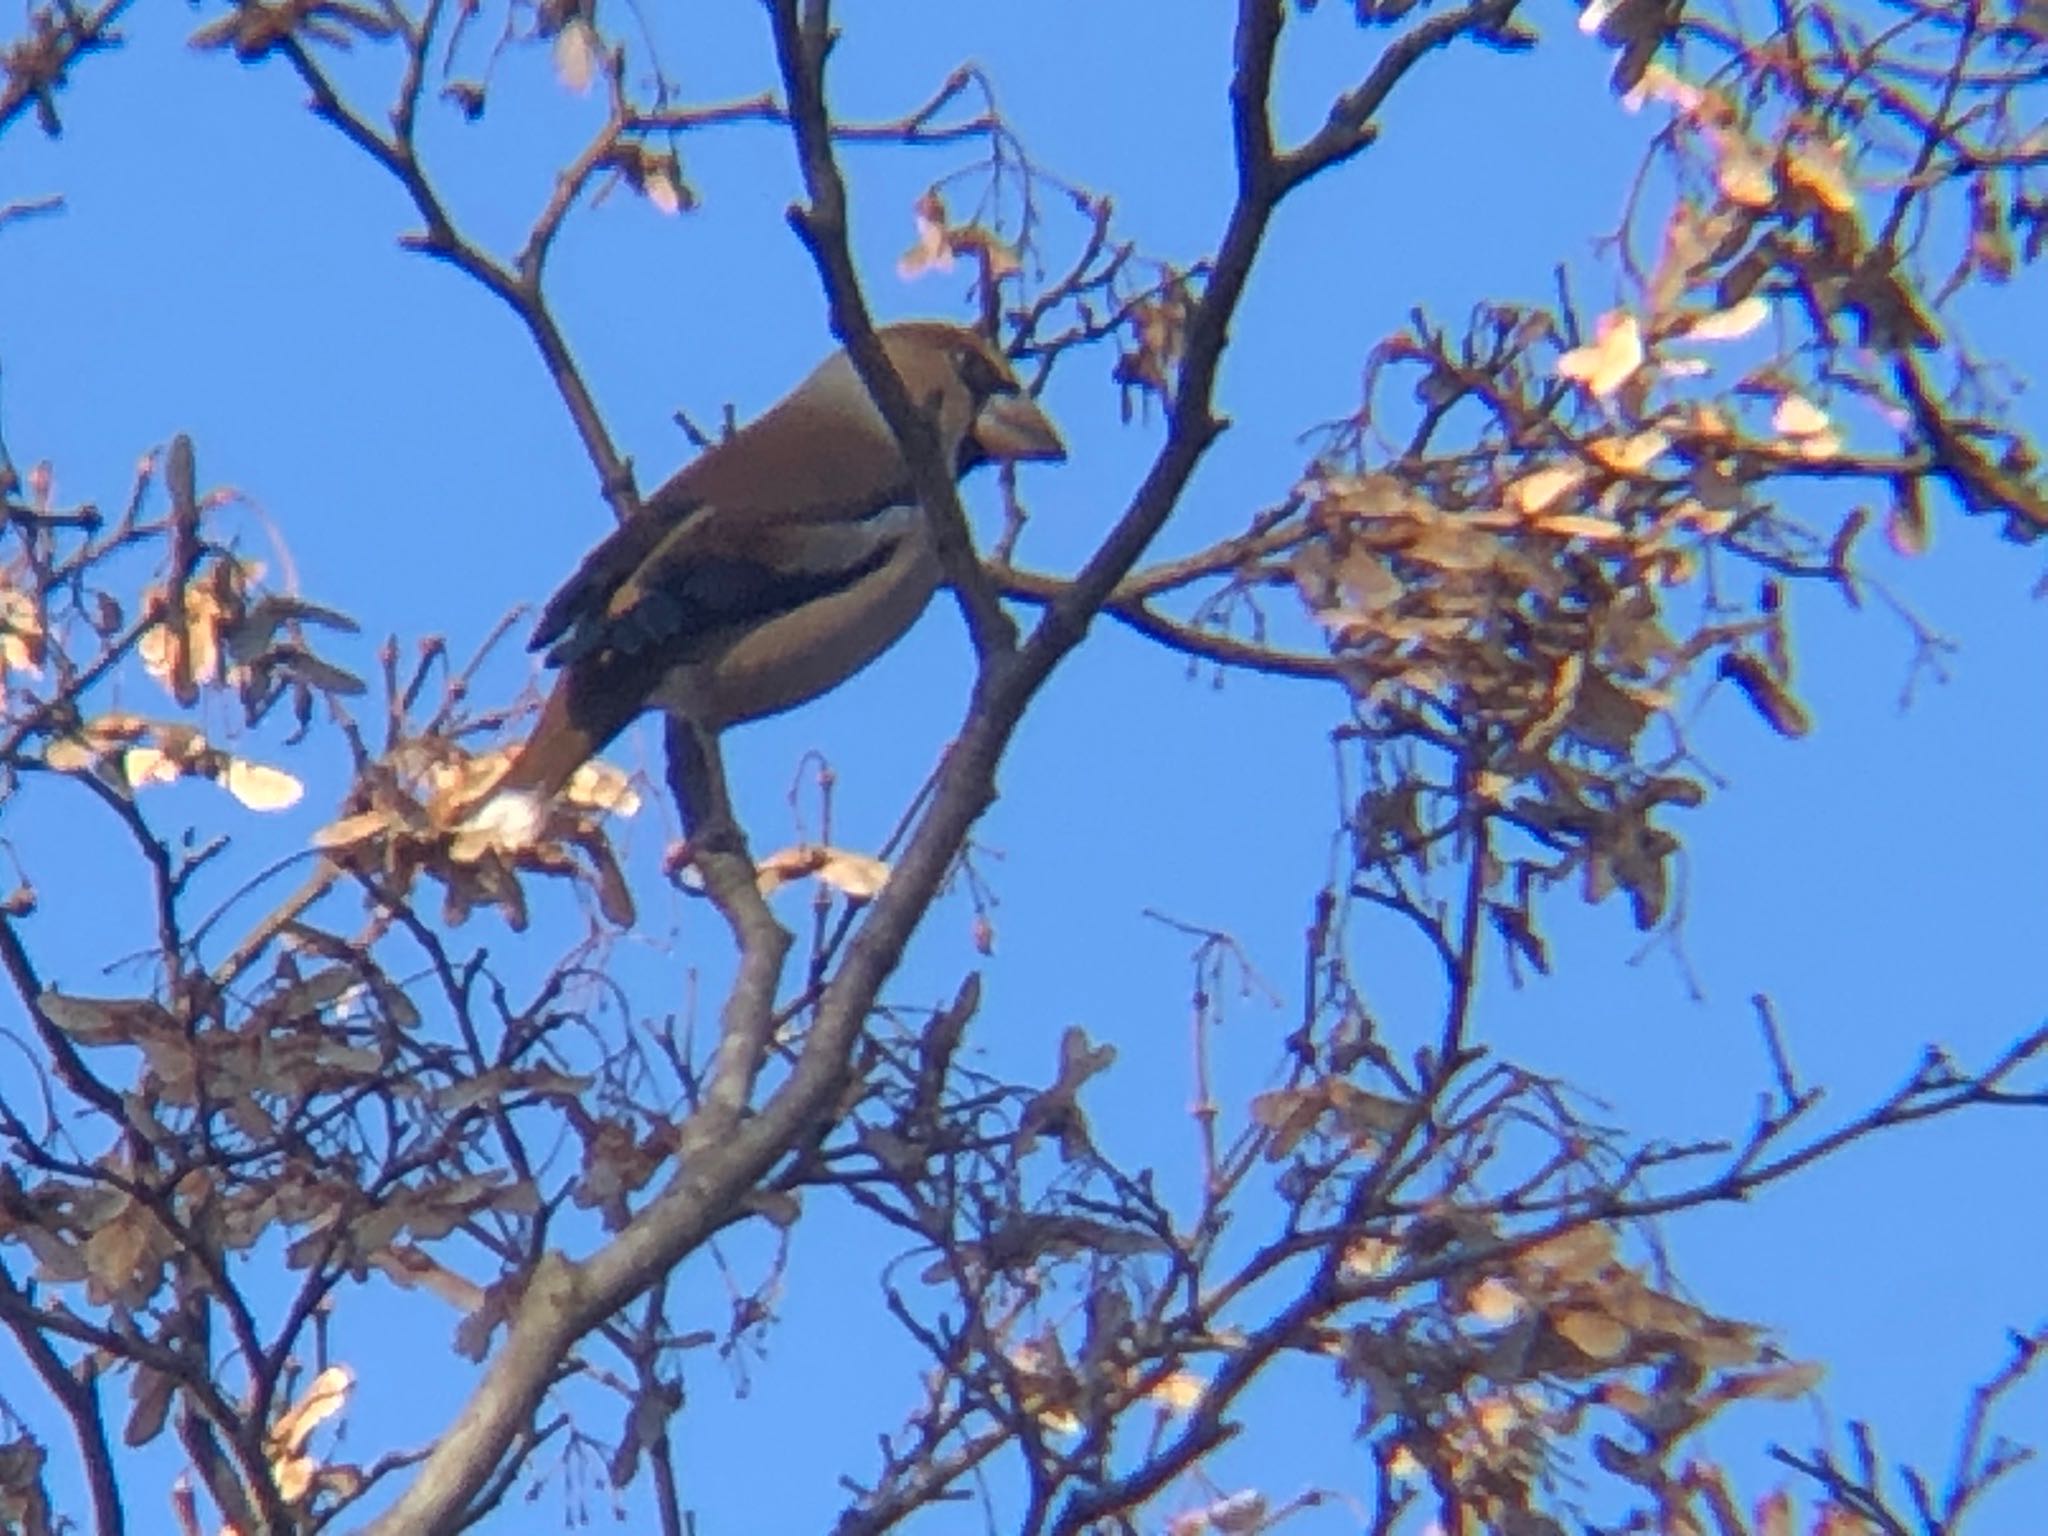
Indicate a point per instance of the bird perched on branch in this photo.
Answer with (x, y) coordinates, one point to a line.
(770, 569)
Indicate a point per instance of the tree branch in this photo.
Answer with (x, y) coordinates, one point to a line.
(520, 292)
(35, 67)
(800, 48)
(1349, 127)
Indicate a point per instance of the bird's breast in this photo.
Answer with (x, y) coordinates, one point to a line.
(789, 660)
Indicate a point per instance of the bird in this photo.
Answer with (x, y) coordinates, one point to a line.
(770, 569)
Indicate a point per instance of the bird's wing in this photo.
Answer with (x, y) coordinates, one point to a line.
(584, 595)
(707, 538)
(711, 575)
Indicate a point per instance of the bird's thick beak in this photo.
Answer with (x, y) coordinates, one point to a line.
(1013, 427)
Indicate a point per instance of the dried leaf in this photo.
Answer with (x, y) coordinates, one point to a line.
(317, 672)
(1766, 694)
(1907, 527)
(120, 1259)
(22, 638)
(351, 830)
(98, 738)
(1781, 1383)
(410, 1267)
(68, 754)
(149, 765)
(598, 786)
(1046, 1386)
(95, 1021)
(1660, 84)
(1731, 324)
(1368, 582)
(786, 865)
(150, 1394)
(1595, 15)
(854, 874)
(1493, 1300)
(193, 658)
(1540, 489)
(1290, 1114)
(1364, 1116)
(1559, 698)
(1608, 716)
(1629, 455)
(663, 190)
(1820, 168)
(1239, 1514)
(1572, 1258)
(1593, 1334)
(261, 788)
(614, 896)
(1743, 175)
(1366, 1258)
(249, 638)
(1495, 1416)
(1611, 360)
(998, 259)
(933, 250)
(577, 51)
(1797, 416)
(1991, 247)
(1580, 525)
(325, 1397)
(1179, 1391)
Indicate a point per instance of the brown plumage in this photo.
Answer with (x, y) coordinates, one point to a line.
(774, 566)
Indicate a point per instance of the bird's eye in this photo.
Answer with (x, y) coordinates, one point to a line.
(985, 376)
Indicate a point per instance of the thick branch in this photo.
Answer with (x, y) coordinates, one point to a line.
(800, 48)
(719, 1159)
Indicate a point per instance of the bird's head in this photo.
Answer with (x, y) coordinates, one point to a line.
(984, 415)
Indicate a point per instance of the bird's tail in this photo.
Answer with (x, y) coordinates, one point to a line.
(581, 717)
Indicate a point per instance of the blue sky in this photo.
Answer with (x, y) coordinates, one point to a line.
(227, 267)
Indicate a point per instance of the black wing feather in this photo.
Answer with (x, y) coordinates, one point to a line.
(712, 592)
(585, 594)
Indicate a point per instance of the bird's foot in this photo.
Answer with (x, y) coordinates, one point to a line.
(682, 864)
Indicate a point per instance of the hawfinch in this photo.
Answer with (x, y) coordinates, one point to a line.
(770, 569)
